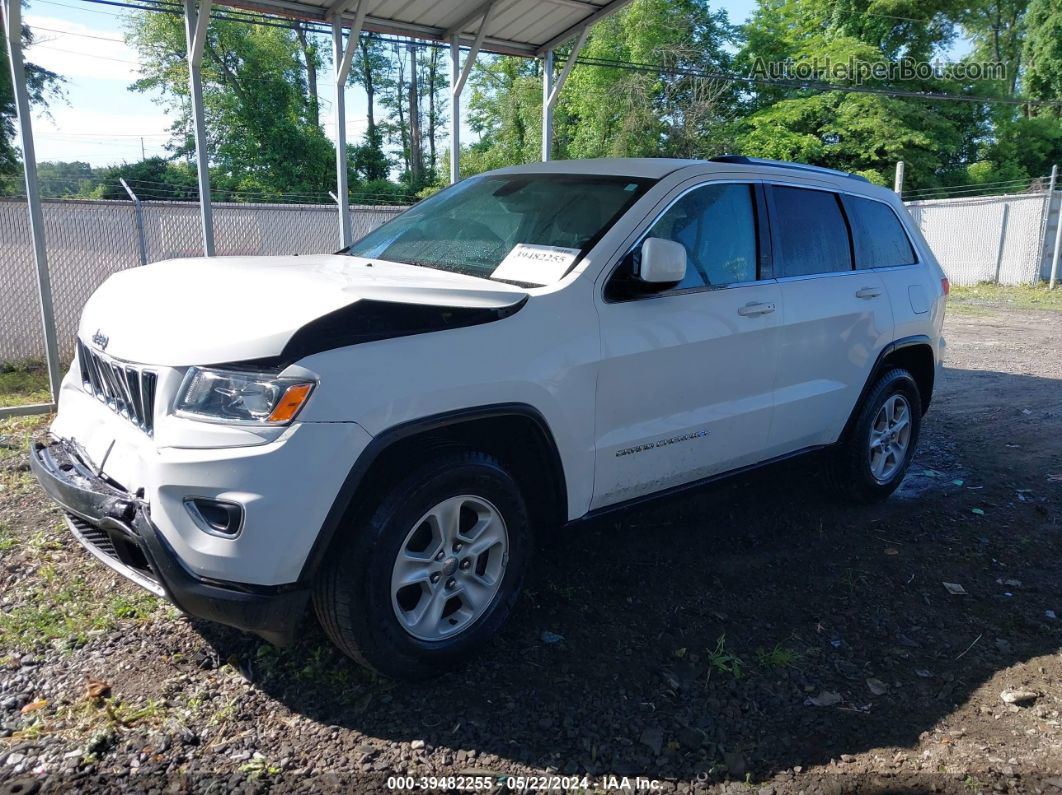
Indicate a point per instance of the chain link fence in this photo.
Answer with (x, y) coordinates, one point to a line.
(1002, 239)
(1006, 239)
(89, 240)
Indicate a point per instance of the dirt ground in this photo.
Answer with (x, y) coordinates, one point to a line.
(753, 637)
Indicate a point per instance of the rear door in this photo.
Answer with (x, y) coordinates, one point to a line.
(836, 319)
(881, 243)
(685, 379)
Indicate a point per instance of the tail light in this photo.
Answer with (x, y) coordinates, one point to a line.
(945, 285)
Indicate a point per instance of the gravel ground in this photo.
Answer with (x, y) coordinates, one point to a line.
(752, 637)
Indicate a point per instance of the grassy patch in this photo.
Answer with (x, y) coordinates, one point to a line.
(974, 300)
(63, 608)
(778, 657)
(15, 434)
(24, 383)
(97, 723)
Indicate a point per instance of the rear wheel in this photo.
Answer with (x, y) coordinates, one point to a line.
(432, 572)
(871, 461)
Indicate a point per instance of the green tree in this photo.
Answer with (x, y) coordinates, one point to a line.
(1043, 51)
(859, 132)
(616, 112)
(667, 108)
(153, 178)
(261, 127)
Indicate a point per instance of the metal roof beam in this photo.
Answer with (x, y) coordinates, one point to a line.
(558, 84)
(298, 10)
(340, 7)
(197, 30)
(345, 55)
(470, 59)
(576, 4)
(480, 11)
(593, 19)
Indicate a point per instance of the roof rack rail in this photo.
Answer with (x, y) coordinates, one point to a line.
(762, 161)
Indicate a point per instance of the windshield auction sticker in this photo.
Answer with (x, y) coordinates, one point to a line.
(533, 264)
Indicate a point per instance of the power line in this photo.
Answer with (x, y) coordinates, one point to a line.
(983, 184)
(261, 19)
(76, 33)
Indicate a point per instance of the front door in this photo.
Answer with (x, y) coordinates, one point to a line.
(685, 381)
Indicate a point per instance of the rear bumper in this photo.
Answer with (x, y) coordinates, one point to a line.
(116, 528)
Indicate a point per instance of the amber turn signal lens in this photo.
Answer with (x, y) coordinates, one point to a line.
(290, 403)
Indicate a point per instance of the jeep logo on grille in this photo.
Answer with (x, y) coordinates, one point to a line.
(100, 340)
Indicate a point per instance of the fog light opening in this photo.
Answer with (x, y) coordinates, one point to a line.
(217, 517)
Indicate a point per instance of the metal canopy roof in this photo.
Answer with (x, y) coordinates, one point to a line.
(513, 27)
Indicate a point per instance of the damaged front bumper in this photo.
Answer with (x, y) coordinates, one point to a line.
(116, 528)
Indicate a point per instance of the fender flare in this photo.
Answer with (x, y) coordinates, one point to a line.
(878, 368)
(384, 440)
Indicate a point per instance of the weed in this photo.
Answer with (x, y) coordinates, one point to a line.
(724, 661)
(853, 580)
(258, 767)
(778, 657)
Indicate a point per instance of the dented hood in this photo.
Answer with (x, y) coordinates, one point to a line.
(228, 309)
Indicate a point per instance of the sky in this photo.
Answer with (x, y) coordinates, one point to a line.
(102, 122)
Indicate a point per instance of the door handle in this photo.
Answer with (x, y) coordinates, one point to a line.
(868, 292)
(754, 310)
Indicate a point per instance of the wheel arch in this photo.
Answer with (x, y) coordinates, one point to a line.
(914, 354)
(516, 433)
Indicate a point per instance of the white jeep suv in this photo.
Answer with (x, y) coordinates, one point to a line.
(379, 430)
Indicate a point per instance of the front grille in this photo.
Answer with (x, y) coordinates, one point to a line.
(125, 388)
(94, 535)
(119, 551)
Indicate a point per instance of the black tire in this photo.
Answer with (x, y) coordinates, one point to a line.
(848, 467)
(352, 598)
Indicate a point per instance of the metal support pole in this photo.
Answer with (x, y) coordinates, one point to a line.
(551, 88)
(139, 216)
(342, 190)
(1002, 241)
(1058, 233)
(342, 57)
(547, 108)
(898, 186)
(455, 110)
(12, 13)
(195, 28)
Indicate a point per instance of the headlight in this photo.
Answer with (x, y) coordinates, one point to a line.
(241, 397)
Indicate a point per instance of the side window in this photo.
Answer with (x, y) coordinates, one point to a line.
(811, 232)
(877, 235)
(717, 226)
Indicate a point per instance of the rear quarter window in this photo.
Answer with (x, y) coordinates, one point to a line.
(878, 237)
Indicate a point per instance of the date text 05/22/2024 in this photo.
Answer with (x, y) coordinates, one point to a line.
(485, 783)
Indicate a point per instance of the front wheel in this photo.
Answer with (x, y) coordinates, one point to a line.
(433, 572)
(871, 461)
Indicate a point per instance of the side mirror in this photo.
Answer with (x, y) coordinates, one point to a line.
(662, 262)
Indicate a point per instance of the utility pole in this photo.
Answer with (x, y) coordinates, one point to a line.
(898, 186)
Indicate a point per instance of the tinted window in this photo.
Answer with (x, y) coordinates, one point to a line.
(717, 226)
(812, 233)
(878, 237)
